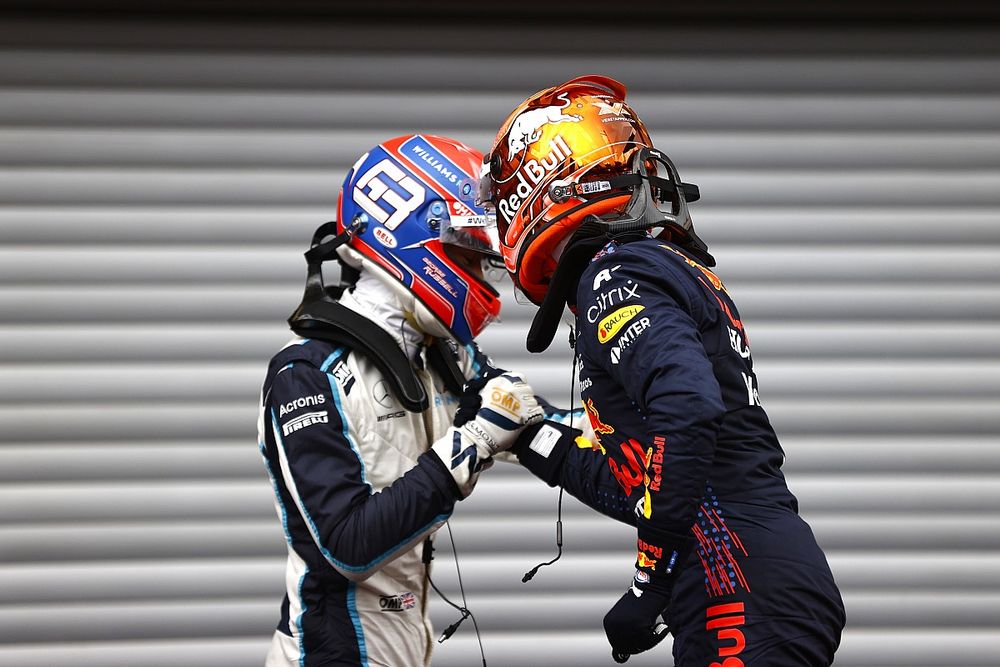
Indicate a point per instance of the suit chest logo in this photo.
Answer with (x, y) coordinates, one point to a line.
(609, 327)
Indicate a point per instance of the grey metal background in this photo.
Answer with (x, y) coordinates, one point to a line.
(160, 176)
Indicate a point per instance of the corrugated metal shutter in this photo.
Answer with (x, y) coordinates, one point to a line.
(154, 202)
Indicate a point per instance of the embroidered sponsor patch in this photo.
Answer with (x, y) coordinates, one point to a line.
(506, 401)
(614, 296)
(342, 373)
(609, 327)
(634, 330)
(604, 275)
(400, 602)
(304, 421)
(301, 402)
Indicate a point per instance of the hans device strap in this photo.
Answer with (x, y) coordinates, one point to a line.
(321, 316)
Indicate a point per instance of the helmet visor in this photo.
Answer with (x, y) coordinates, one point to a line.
(476, 237)
(473, 232)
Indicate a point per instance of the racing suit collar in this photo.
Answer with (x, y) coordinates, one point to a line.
(374, 300)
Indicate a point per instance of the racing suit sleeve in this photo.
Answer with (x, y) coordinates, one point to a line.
(563, 451)
(657, 358)
(356, 529)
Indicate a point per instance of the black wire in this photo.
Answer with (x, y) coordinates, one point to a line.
(445, 597)
(461, 589)
(464, 609)
(559, 533)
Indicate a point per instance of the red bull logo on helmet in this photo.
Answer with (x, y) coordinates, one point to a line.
(531, 173)
(526, 128)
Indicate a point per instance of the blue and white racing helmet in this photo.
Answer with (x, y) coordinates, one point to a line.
(410, 205)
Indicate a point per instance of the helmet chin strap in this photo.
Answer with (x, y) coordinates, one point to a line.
(583, 245)
(374, 297)
(642, 211)
(417, 314)
(641, 215)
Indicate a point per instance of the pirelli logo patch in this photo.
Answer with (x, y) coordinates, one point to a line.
(305, 420)
(609, 327)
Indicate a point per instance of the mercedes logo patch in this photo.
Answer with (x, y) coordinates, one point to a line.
(381, 394)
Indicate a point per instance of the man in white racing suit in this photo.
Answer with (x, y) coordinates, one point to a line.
(356, 423)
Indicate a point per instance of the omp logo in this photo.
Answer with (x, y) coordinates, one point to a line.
(505, 401)
(400, 602)
(303, 421)
(613, 323)
(726, 620)
(301, 402)
(384, 182)
(525, 130)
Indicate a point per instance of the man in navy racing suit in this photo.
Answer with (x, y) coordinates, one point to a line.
(592, 216)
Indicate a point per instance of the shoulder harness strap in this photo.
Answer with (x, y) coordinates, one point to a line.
(321, 316)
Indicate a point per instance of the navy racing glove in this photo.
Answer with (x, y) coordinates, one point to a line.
(635, 624)
(637, 621)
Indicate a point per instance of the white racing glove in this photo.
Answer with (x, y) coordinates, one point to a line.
(506, 405)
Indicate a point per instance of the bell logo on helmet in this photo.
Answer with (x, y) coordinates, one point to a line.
(533, 171)
(385, 237)
(387, 192)
(525, 130)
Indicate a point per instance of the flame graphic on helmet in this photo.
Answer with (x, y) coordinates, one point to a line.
(580, 129)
